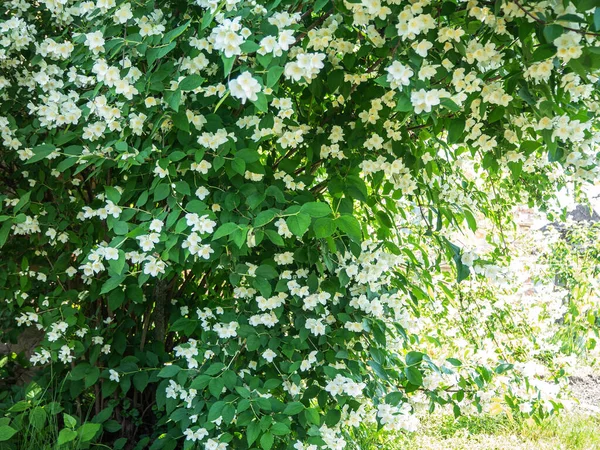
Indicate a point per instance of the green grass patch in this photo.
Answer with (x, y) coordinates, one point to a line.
(569, 431)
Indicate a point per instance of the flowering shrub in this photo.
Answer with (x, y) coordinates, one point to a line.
(234, 223)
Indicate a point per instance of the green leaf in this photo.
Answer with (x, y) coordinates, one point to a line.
(316, 209)
(414, 376)
(273, 75)
(37, 417)
(161, 192)
(88, 430)
(215, 410)
(225, 230)
(253, 342)
(168, 37)
(450, 104)
(116, 299)
(120, 228)
(552, 32)
(91, 377)
(332, 417)
(207, 18)
(152, 54)
(140, 380)
(142, 199)
(183, 188)
(78, 372)
(249, 46)
(319, 5)
(356, 188)
(69, 420)
(66, 163)
(112, 283)
(169, 371)
(274, 237)
(23, 201)
(252, 432)
(112, 426)
(214, 369)
(103, 415)
(349, 225)
(298, 224)
(238, 165)
(394, 398)
(324, 227)
(266, 271)
(112, 194)
(65, 436)
(266, 441)
(543, 52)
(293, 408)
(6, 432)
(4, 232)
(456, 128)
(570, 18)
(215, 387)
(413, 358)
(227, 64)
(261, 102)
(180, 121)
(248, 155)
(173, 99)
(403, 104)
(191, 82)
(264, 217)
(312, 416)
(40, 152)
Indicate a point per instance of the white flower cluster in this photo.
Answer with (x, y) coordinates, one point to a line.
(245, 87)
(177, 391)
(399, 75)
(226, 330)
(192, 243)
(568, 47)
(228, 36)
(394, 418)
(189, 351)
(345, 385)
(307, 66)
(56, 109)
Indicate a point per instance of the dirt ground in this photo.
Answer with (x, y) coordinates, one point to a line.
(586, 388)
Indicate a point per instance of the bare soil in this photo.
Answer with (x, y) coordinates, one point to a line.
(586, 388)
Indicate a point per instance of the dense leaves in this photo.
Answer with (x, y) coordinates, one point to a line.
(234, 222)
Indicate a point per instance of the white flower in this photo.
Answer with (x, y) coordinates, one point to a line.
(123, 14)
(95, 42)
(154, 266)
(65, 354)
(197, 435)
(399, 75)
(111, 253)
(156, 225)
(269, 355)
(245, 87)
(203, 167)
(423, 100)
(284, 258)
(202, 192)
(114, 375)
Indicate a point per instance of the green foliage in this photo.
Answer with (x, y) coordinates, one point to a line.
(231, 223)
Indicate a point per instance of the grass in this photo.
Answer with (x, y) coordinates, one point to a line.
(570, 431)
